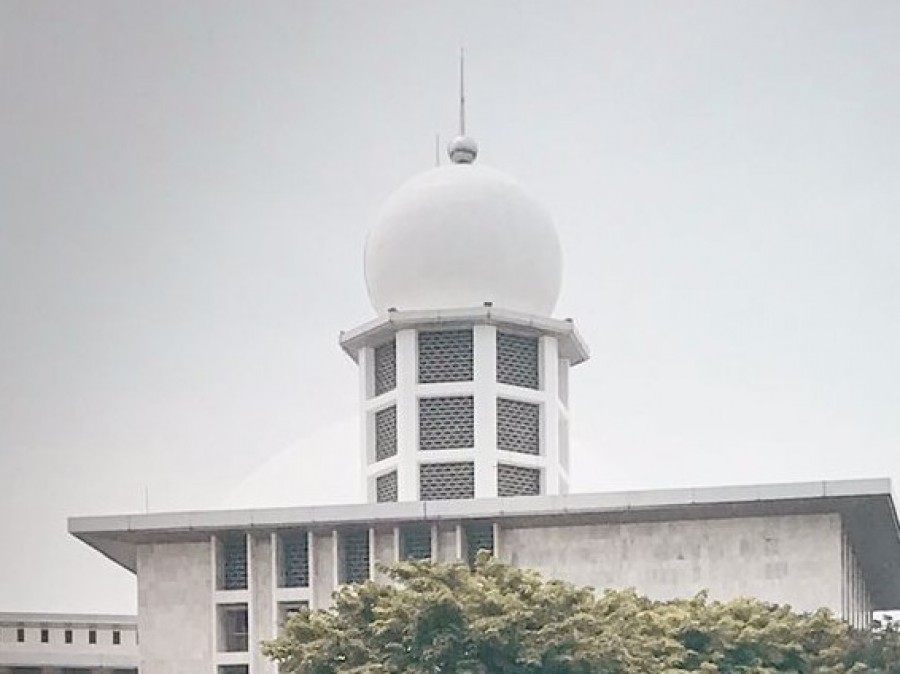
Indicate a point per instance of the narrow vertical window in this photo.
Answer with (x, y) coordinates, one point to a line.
(116, 638)
(233, 565)
(45, 636)
(68, 636)
(92, 636)
(20, 635)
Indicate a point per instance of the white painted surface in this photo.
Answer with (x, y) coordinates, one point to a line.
(459, 236)
(786, 559)
(175, 620)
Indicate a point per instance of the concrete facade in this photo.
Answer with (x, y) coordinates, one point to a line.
(834, 545)
(51, 643)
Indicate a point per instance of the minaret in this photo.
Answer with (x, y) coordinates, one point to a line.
(464, 373)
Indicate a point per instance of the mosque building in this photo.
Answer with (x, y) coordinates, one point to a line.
(464, 417)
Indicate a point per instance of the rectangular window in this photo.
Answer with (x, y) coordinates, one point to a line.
(385, 433)
(518, 481)
(45, 636)
(234, 626)
(386, 487)
(415, 542)
(92, 636)
(294, 559)
(479, 536)
(445, 356)
(446, 423)
(355, 557)
(440, 481)
(517, 360)
(287, 609)
(385, 367)
(233, 564)
(518, 426)
(68, 636)
(20, 635)
(116, 638)
(234, 669)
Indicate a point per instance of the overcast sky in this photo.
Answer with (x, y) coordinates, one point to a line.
(185, 190)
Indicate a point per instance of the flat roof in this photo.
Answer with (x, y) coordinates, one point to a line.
(866, 507)
(26, 619)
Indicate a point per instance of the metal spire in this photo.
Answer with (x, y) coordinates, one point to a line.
(462, 92)
(462, 149)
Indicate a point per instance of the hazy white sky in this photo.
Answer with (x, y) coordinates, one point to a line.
(185, 189)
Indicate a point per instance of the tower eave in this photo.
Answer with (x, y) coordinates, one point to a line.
(571, 344)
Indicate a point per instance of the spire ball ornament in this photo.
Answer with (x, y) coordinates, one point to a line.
(462, 150)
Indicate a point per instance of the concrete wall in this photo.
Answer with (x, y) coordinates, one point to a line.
(788, 559)
(262, 583)
(175, 618)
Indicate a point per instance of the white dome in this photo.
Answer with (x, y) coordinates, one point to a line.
(459, 236)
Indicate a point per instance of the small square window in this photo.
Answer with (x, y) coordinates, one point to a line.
(45, 636)
(116, 637)
(92, 636)
(68, 636)
(20, 635)
(233, 628)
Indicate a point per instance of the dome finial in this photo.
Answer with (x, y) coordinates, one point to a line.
(462, 149)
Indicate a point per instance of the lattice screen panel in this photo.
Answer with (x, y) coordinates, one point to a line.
(385, 367)
(446, 423)
(518, 426)
(234, 563)
(518, 481)
(295, 560)
(386, 487)
(445, 356)
(385, 433)
(440, 481)
(517, 360)
(355, 557)
(479, 537)
(415, 543)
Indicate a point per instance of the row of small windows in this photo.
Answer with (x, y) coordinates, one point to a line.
(448, 356)
(448, 422)
(68, 636)
(456, 480)
(293, 561)
(354, 567)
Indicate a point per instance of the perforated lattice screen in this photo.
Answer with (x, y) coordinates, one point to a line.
(385, 367)
(518, 426)
(355, 557)
(295, 560)
(386, 487)
(415, 542)
(385, 433)
(439, 481)
(479, 537)
(517, 360)
(446, 423)
(518, 481)
(445, 356)
(234, 563)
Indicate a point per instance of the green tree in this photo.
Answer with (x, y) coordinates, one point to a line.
(497, 619)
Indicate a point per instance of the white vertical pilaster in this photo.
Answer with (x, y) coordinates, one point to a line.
(407, 417)
(485, 390)
(312, 571)
(366, 425)
(549, 363)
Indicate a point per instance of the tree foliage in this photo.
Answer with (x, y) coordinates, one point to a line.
(497, 619)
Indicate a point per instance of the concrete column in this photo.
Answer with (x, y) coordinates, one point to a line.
(407, 417)
(549, 363)
(485, 391)
(366, 426)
